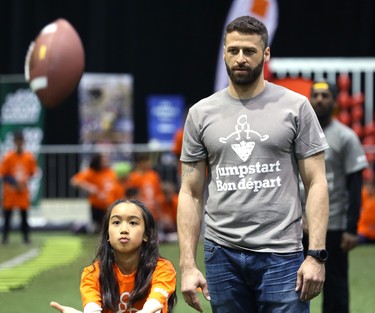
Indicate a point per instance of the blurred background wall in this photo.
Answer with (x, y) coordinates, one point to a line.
(171, 46)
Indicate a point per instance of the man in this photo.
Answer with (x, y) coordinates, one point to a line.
(254, 138)
(344, 161)
(16, 169)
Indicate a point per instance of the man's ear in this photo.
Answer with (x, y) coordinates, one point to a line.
(267, 54)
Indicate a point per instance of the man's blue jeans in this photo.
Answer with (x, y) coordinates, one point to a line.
(241, 281)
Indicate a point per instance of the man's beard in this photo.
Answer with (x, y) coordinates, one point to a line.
(245, 79)
(325, 114)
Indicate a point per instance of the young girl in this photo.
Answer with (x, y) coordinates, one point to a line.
(127, 275)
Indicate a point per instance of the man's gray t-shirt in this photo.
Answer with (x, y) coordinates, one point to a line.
(344, 156)
(253, 147)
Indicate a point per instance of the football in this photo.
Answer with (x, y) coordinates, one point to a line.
(55, 62)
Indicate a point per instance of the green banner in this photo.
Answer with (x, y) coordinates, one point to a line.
(20, 108)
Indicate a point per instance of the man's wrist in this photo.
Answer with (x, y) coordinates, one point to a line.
(321, 255)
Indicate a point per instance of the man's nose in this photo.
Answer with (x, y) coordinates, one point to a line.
(241, 57)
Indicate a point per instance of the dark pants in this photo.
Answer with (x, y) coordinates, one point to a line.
(25, 229)
(97, 216)
(336, 285)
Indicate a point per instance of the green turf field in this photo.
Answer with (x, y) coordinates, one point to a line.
(55, 274)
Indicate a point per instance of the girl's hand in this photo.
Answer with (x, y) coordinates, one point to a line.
(63, 309)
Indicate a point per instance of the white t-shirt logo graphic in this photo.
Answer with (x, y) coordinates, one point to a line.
(244, 148)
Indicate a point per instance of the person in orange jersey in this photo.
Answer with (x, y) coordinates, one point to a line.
(98, 181)
(128, 273)
(147, 182)
(168, 212)
(16, 169)
(366, 223)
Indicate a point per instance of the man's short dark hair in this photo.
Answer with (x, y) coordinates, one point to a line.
(248, 25)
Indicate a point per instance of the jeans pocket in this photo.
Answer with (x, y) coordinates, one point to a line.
(209, 250)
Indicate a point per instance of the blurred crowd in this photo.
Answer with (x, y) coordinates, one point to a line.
(153, 183)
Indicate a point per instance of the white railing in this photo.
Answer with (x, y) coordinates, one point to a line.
(361, 71)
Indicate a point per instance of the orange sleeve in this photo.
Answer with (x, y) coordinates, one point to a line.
(90, 287)
(163, 283)
(33, 165)
(81, 175)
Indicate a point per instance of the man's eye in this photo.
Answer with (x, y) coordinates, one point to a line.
(248, 52)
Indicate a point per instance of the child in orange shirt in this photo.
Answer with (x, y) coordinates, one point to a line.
(366, 223)
(16, 169)
(128, 273)
(168, 205)
(99, 182)
(148, 183)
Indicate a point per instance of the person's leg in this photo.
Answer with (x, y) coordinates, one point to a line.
(243, 281)
(275, 282)
(25, 228)
(7, 214)
(336, 290)
(97, 218)
(229, 290)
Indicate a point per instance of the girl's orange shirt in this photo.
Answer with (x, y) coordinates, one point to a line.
(163, 284)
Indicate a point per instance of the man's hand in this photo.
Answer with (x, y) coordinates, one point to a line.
(348, 241)
(310, 278)
(191, 280)
(63, 309)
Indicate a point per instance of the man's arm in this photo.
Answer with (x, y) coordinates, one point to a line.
(189, 221)
(354, 184)
(311, 274)
(313, 175)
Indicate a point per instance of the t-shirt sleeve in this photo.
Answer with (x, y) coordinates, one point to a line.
(163, 282)
(192, 146)
(4, 165)
(355, 157)
(80, 176)
(310, 137)
(90, 287)
(33, 165)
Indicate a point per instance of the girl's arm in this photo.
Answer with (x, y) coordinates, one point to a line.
(90, 307)
(63, 309)
(150, 306)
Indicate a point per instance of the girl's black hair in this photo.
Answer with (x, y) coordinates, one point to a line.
(96, 162)
(149, 256)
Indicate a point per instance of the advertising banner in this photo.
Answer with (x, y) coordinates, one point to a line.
(166, 115)
(20, 109)
(106, 111)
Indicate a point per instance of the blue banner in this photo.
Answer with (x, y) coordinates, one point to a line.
(165, 115)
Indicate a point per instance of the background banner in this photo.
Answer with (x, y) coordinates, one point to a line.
(165, 115)
(106, 110)
(20, 108)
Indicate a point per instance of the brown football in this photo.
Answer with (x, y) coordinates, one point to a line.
(55, 62)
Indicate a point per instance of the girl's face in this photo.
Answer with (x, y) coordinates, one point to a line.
(126, 228)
